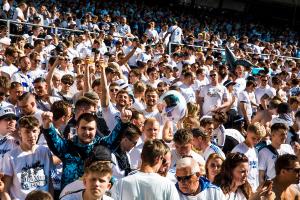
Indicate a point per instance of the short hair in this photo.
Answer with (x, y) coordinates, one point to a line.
(83, 103)
(96, 82)
(199, 132)
(25, 96)
(88, 117)
(14, 85)
(39, 80)
(183, 136)
(152, 149)
(139, 87)
(59, 109)
(273, 104)
(131, 131)
(251, 83)
(297, 114)
(101, 168)
(37, 42)
(10, 51)
(283, 108)
(206, 121)
(258, 129)
(149, 90)
(151, 69)
(220, 117)
(277, 126)
(135, 114)
(188, 74)
(123, 91)
(28, 122)
(136, 72)
(67, 78)
(114, 84)
(188, 162)
(284, 161)
(293, 99)
(39, 194)
(150, 120)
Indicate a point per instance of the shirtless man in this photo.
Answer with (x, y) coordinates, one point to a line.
(265, 116)
(285, 184)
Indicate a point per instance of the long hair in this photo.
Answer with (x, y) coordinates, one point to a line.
(225, 177)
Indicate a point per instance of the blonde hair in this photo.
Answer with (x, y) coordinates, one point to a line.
(258, 129)
(193, 109)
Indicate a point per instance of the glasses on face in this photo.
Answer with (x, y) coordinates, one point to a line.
(114, 90)
(67, 83)
(264, 80)
(213, 165)
(295, 170)
(184, 178)
(213, 75)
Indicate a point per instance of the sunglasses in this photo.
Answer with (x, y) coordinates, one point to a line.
(67, 83)
(184, 178)
(114, 90)
(213, 165)
(213, 75)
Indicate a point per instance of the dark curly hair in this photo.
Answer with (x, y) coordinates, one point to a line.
(225, 177)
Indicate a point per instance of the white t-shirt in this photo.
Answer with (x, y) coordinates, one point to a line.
(188, 93)
(245, 98)
(30, 171)
(266, 159)
(252, 156)
(72, 187)
(132, 60)
(240, 85)
(78, 196)
(259, 92)
(213, 149)
(209, 192)
(111, 114)
(175, 156)
(9, 69)
(135, 154)
(7, 143)
(18, 14)
(176, 33)
(238, 195)
(213, 96)
(144, 186)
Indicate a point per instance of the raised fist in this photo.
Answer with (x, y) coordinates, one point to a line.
(47, 118)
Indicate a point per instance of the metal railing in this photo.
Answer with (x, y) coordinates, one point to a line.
(56, 29)
(222, 49)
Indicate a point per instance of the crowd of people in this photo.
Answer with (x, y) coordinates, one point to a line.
(140, 102)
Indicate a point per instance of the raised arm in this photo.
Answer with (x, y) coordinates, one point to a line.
(50, 75)
(104, 87)
(56, 143)
(112, 137)
(87, 83)
(125, 60)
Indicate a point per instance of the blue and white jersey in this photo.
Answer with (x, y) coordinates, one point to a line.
(208, 191)
(252, 156)
(24, 79)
